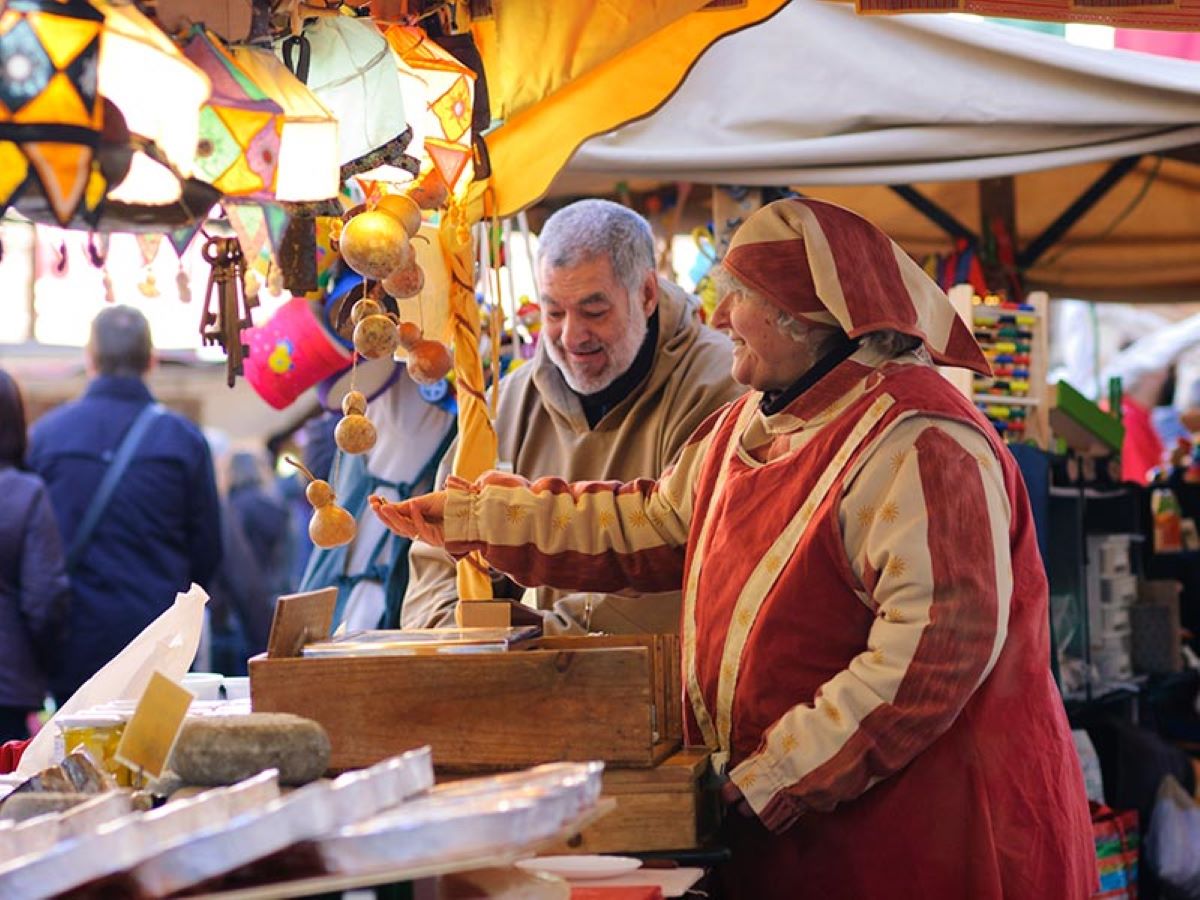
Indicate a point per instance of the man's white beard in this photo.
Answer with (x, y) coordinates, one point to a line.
(620, 356)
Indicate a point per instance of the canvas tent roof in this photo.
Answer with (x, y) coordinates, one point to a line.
(822, 100)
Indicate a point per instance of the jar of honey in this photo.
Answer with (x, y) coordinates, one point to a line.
(98, 733)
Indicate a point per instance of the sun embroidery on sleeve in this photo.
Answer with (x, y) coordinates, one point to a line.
(772, 563)
(889, 512)
(638, 519)
(513, 513)
(605, 519)
(748, 780)
(896, 566)
(985, 461)
(561, 522)
(788, 742)
(897, 461)
(876, 655)
(745, 619)
(832, 712)
(865, 515)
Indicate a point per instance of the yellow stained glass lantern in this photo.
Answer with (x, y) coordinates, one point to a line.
(51, 113)
(238, 150)
(438, 94)
(308, 146)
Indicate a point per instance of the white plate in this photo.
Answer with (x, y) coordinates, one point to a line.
(581, 868)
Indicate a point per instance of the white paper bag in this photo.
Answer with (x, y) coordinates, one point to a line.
(167, 645)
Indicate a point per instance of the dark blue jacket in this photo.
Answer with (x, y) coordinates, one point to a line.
(34, 593)
(160, 532)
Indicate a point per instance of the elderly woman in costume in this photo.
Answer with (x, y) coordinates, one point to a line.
(865, 626)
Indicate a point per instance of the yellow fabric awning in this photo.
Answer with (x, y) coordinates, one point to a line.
(559, 80)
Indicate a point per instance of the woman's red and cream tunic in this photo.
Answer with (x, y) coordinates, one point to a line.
(865, 634)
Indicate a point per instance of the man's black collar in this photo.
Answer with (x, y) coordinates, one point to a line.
(596, 405)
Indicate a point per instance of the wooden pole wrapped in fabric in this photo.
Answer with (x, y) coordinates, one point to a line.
(476, 451)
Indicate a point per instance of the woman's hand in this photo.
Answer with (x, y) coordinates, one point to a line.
(421, 517)
(731, 796)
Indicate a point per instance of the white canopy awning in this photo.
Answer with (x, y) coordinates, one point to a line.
(818, 98)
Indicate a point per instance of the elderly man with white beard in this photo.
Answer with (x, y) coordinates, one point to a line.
(623, 374)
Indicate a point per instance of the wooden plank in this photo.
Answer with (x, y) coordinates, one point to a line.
(641, 823)
(678, 772)
(478, 712)
(665, 674)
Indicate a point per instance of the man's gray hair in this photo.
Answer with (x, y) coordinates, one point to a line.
(590, 228)
(120, 341)
(890, 344)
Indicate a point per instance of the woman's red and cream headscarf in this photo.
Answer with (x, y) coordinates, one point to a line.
(820, 262)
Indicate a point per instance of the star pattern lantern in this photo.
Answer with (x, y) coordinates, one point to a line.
(51, 113)
(238, 150)
(308, 148)
(438, 93)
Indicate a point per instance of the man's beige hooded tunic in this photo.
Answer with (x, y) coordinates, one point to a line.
(543, 431)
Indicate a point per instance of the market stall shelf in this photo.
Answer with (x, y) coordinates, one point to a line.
(613, 699)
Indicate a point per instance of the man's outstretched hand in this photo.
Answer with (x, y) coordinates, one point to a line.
(421, 517)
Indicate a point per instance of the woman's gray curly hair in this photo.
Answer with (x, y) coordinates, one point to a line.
(887, 342)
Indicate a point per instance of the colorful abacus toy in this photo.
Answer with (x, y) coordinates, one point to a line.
(1013, 338)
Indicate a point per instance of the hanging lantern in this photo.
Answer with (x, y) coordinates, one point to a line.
(158, 91)
(347, 64)
(238, 151)
(308, 146)
(51, 113)
(438, 92)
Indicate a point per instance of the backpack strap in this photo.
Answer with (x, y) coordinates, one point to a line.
(116, 468)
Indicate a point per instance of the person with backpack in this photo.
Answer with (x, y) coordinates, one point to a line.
(133, 490)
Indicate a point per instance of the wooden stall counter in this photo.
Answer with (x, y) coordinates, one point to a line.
(613, 699)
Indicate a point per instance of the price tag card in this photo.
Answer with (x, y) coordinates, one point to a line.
(148, 738)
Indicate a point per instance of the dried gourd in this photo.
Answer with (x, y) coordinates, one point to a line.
(406, 281)
(375, 336)
(374, 243)
(354, 434)
(428, 362)
(409, 334)
(330, 525)
(367, 306)
(404, 209)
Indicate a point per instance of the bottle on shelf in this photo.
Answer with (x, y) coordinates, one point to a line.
(1168, 521)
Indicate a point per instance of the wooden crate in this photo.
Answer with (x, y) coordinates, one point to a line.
(662, 808)
(615, 699)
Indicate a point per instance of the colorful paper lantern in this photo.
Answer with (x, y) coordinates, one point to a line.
(238, 150)
(51, 112)
(439, 95)
(157, 90)
(352, 72)
(308, 147)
